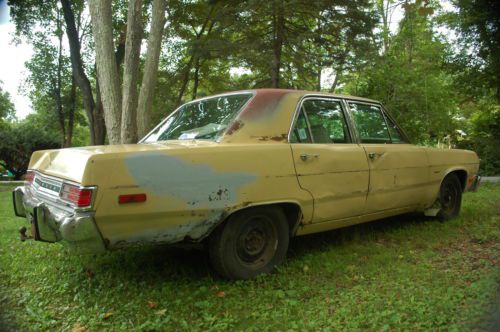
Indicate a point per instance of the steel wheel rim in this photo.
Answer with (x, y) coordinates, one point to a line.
(449, 197)
(256, 245)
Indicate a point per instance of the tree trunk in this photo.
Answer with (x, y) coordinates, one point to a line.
(318, 78)
(185, 80)
(58, 85)
(196, 78)
(194, 55)
(71, 115)
(107, 73)
(100, 132)
(278, 29)
(79, 74)
(131, 72)
(146, 94)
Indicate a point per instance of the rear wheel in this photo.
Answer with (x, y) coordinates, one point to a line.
(450, 197)
(249, 243)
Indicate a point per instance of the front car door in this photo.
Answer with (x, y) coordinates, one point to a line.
(329, 164)
(399, 171)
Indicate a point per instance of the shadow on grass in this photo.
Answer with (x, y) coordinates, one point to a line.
(155, 264)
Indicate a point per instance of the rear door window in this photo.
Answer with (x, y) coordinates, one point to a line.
(370, 123)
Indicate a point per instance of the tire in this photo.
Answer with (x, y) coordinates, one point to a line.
(450, 198)
(249, 243)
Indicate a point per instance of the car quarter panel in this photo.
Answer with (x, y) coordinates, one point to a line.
(444, 161)
(189, 191)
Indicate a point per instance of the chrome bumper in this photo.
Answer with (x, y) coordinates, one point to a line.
(49, 224)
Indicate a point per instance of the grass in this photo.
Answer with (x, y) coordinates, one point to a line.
(403, 273)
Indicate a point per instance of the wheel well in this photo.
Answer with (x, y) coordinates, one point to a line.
(462, 177)
(292, 213)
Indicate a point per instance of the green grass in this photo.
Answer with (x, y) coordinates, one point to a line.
(403, 273)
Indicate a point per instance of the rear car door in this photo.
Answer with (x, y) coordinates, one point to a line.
(328, 163)
(399, 171)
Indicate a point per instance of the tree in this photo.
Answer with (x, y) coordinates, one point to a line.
(94, 113)
(120, 121)
(150, 67)
(410, 78)
(478, 22)
(7, 110)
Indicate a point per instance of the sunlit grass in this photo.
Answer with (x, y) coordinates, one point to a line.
(402, 273)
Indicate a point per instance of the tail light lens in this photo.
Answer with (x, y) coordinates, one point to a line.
(29, 177)
(80, 197)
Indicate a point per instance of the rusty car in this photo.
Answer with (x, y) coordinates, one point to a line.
(242, 172)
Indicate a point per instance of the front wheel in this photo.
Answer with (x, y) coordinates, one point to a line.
(249, 243)
(450, 197)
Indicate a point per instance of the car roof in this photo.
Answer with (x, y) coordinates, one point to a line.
(286, 91)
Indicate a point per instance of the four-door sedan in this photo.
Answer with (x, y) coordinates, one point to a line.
(245, 172)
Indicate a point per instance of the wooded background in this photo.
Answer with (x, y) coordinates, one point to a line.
(105, 72)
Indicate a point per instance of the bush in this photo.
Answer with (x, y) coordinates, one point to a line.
(18, 140)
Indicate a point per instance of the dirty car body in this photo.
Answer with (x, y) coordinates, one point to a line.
(225, 168)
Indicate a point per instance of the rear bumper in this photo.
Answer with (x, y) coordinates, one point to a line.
(49, 224)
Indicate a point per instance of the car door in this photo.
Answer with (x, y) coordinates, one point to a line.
(398, 170)
(328, 163)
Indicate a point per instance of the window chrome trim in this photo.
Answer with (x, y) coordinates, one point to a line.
(243, 92)
(298, 108)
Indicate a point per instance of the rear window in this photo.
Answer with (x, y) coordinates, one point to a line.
(205, 119)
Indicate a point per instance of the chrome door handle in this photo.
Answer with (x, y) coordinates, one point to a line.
(374, 155)
(305, 156)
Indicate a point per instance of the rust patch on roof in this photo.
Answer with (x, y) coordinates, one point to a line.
(264, 101)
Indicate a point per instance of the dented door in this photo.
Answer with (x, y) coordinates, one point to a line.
(328, 164)
(399, 171)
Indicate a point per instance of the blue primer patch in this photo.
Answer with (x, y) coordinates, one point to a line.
(197, 184)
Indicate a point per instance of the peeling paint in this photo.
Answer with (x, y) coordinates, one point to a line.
(197, 184)
(277, 138)
(194, 231)
(237, 125)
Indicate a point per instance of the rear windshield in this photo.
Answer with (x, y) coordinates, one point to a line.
(204, 119)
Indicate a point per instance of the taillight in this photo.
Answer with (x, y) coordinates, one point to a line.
(80, 197)
(29, 177)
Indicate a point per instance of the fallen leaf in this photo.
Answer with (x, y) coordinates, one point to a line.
(78, 328)
(152, 305)
(221, 294)
(161, 312)
(107, 315)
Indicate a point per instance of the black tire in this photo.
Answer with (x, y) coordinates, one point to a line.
(249, 243)
(450, 198)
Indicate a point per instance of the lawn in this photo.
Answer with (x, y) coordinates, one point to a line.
(403, 273)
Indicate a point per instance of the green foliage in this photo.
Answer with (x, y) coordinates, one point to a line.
(411, 81)
(483, 128)
(403, 273)
(18, 140)
(478, 22)
(7, 110)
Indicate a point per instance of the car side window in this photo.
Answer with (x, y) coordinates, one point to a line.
(326, 120)
(370, 123)
(300, 132)
(396, 136)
